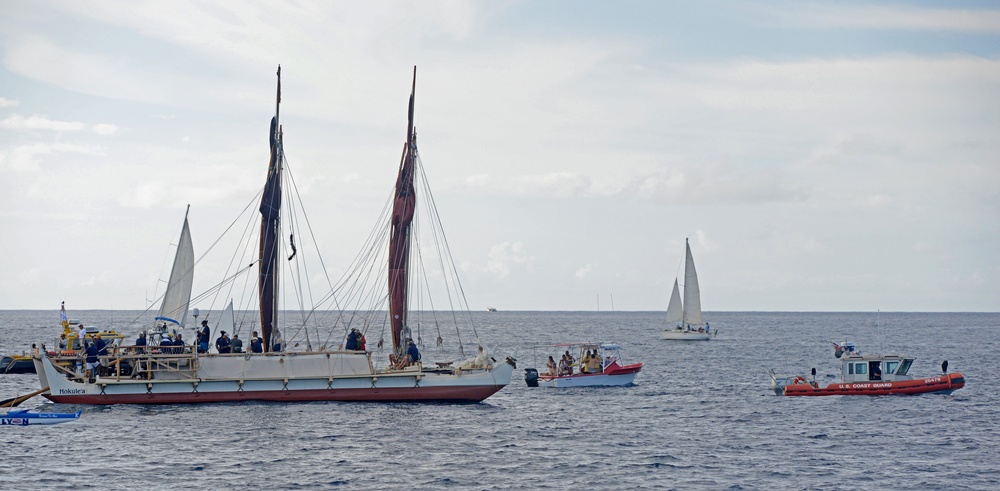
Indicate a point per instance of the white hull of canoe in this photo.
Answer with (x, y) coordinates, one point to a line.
(678, 335)
(587, 380)
(27, 418)
(316, 376)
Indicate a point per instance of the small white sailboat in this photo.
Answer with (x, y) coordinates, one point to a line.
(177, 298)
(683, 321)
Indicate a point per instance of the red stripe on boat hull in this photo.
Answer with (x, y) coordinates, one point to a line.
(402, 394)
(945, 383)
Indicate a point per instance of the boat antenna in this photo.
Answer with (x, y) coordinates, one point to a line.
(878, 332)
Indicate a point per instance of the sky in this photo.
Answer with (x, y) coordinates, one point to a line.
(819, 156)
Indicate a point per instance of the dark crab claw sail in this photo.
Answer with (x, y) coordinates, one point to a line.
(270, 230)
(403, 206)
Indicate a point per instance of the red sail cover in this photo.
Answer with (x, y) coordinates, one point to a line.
(403, 206)
(270, 212)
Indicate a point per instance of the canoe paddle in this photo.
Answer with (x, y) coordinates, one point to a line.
(16, 401)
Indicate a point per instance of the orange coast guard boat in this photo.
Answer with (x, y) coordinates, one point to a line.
(870, 375)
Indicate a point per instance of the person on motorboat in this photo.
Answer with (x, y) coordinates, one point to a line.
(551, 365)
(594, 364)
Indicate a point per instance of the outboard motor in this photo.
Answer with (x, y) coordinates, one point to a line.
(531, 377)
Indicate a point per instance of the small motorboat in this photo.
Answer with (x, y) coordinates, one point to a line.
(17, 364)
(24, 417)
(870, 375)
(606, 368)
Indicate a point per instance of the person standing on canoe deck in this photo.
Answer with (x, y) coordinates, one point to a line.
(178, 344)
(203, 337)
(352, 340)
(256, 344)
(362, 342)
(166, 345)
(222, 344)
(140, 343)
(102, 351)
(237, 344)
(92, 362)
(82, 336)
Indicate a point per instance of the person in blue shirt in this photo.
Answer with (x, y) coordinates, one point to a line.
(204, 335)
(256, 344)
(222, 344)
(352, 340)
(92, 361)
(166, 345)
(412, 353)
(140, 343)
(178, 344)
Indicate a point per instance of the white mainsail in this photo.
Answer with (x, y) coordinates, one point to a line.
(692, 294)
(674, 315)
(176, 299)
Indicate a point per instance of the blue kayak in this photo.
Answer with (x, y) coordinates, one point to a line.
(23, 417)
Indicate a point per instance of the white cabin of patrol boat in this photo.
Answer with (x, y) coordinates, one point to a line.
(856, 367)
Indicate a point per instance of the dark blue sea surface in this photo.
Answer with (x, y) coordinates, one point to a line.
(700, 416)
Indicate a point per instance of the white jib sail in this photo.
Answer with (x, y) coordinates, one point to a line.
(692, 294)
(227, 322)
(178, 295)
(674, 313)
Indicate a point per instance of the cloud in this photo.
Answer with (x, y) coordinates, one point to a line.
(7, 102)
(584, 271)
(812, 15)
(104, 129)
(18, 122)
(25, 158)
(503, 257)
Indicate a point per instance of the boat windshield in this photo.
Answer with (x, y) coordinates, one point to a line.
(905, 366)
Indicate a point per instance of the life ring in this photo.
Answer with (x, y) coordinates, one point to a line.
(798, 380)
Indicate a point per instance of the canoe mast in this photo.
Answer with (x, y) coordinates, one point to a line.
(404, 204)
(270, 231)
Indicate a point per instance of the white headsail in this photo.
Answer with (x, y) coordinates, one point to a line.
(674, 314)
(176, 299)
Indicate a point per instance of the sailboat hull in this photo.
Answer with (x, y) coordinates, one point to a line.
(263, 383)
(682, 335)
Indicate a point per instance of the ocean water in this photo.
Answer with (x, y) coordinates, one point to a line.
(700, 416)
